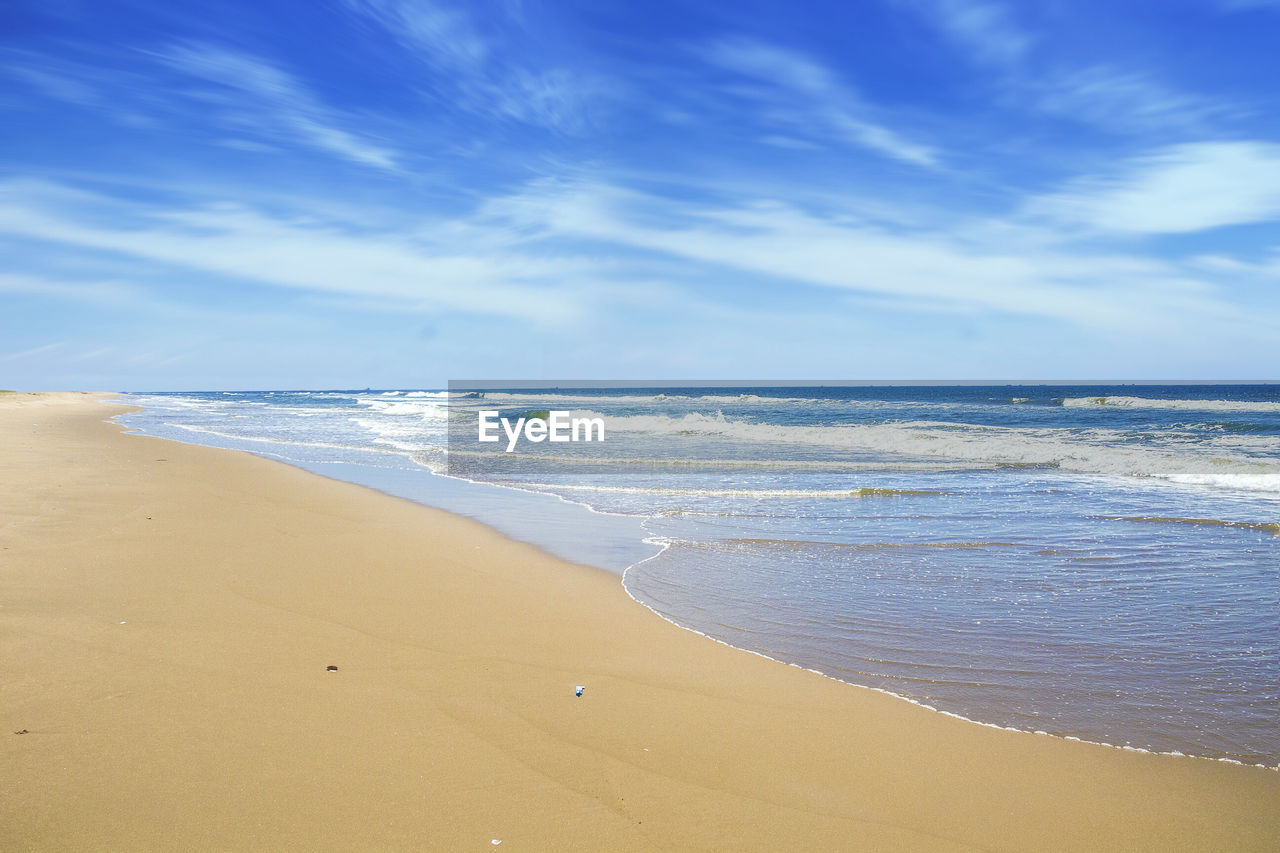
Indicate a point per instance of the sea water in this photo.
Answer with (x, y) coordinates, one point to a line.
(1100, 562)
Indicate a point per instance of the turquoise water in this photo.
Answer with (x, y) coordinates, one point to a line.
(1098, 562)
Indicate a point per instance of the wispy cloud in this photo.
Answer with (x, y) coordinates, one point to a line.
(926, 271)
(125, 97)
(82, 292)
(987, 31)
(489, 73)
(273, 102)
(51, 78)
(557, 98)
(1113, 96)
(560, 254)
(447, 37)
(1178, 189)
(265, 107)
(29, 352)
(456, 271)
(965, 171)
(807, 99)
(1125, 101)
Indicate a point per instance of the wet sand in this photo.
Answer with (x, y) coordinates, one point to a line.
(168, 614)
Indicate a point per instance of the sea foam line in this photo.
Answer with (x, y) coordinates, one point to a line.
(864, 492)
(1123, 402)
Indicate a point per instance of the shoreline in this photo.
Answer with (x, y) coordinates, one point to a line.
(662, 546)
(1275, 768)
(465, 671)
(622, 572)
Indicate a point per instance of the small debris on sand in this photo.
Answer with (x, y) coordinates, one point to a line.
(330, 668)
(23, 732)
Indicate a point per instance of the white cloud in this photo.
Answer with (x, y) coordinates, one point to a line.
(254, 98)
(555, 98)
(986, 30)
(42, 350)
(484, 72)
(780, 141)
(54, 82)
(123, 96)
(1178, 189)
(919, 271)
(560, 252)
(1128, 101)
(108, 293)
(278, 103)
(447, 35)
(391, 270)
(808, 99)
(1113, 96)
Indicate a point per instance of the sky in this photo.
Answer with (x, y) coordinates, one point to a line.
(395, 193)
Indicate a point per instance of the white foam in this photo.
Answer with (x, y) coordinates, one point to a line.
(427, 410)
(1226, 461)
(1122, 402)
(254, 439)
(1251, 482)
(706, 493)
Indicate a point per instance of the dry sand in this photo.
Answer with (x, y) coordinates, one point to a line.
(167, 614)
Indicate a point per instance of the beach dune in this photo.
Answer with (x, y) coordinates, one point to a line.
(170, 616)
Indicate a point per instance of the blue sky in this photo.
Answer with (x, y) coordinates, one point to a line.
(392, 193)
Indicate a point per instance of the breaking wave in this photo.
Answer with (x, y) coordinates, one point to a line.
(1232, 461)
(1120, 402)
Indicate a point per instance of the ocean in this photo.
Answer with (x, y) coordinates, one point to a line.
(1095, 562)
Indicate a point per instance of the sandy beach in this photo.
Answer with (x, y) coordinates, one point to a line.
(168, 615)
